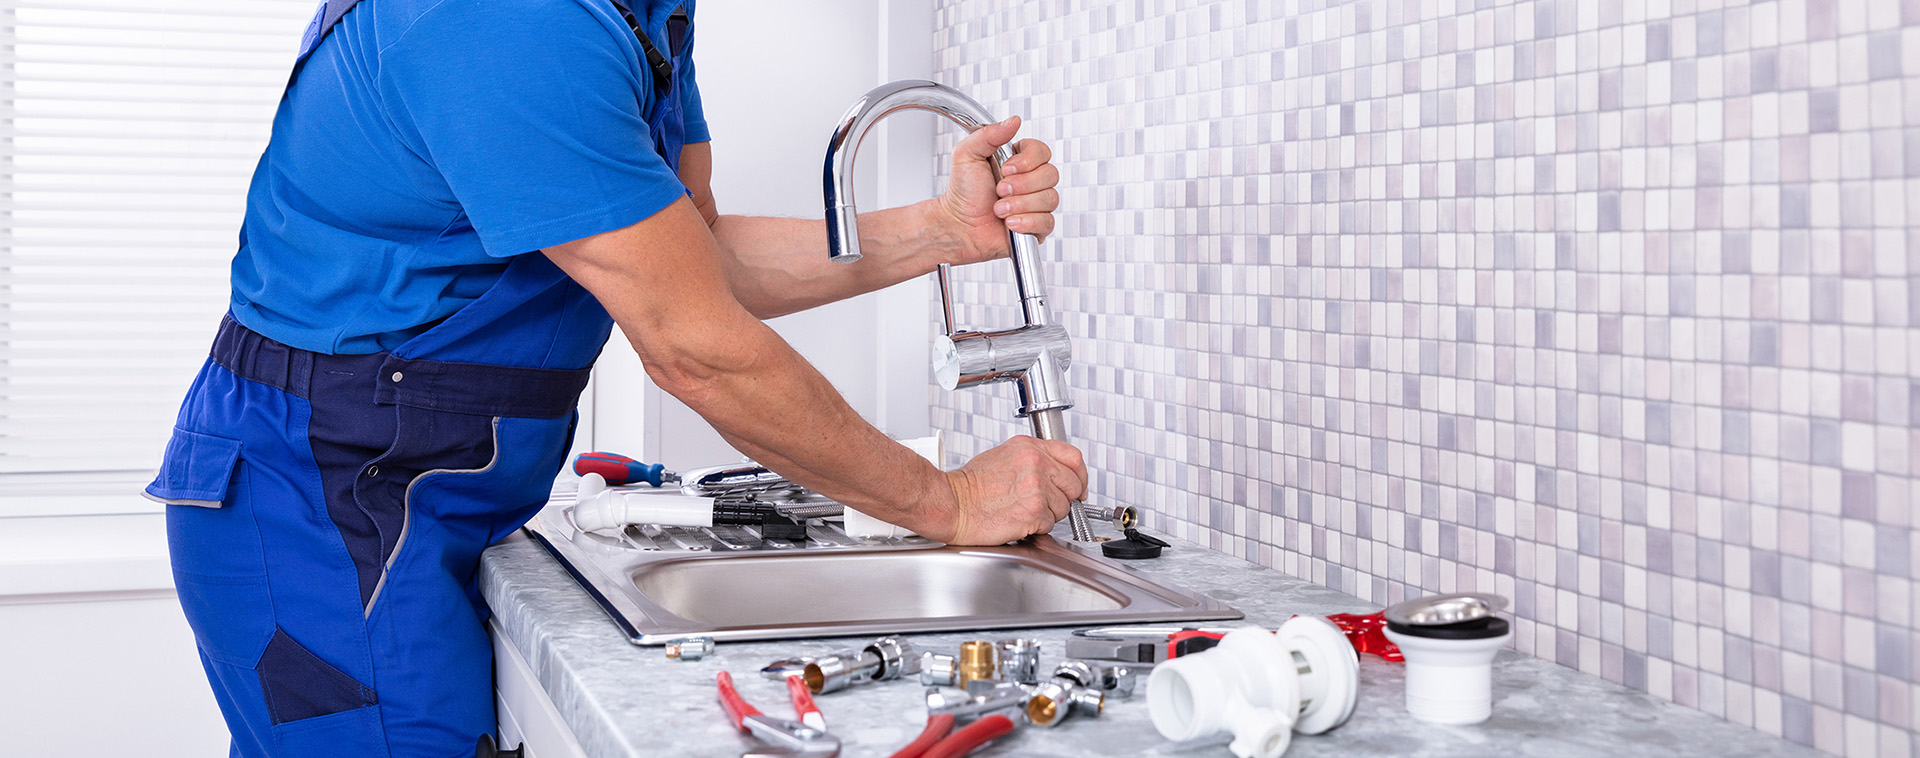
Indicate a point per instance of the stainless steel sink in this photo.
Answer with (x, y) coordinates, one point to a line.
(723, 582)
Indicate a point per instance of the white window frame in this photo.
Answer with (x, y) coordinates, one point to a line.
(75, 70)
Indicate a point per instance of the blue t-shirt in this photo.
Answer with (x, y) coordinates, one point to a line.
(427, 141)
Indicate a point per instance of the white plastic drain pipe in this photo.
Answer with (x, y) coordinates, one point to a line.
(596, 508)
(1260, 687)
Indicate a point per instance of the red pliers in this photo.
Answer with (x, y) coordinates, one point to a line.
(935, 742)
(785, 738)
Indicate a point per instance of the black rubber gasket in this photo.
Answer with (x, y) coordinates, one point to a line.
(1477, 629)
(1129, 549)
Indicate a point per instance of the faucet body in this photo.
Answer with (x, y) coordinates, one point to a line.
(1033, 356)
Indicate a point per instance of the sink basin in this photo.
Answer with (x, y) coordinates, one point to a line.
(661, 586)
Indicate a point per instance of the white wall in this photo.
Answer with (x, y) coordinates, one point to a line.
(775, 78)
(96, 656)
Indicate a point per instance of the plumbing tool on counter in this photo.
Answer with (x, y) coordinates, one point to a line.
(1449, 642)
(1141, 644)
(784, 738)
(619, 469)
(1260, 687)
(597, 508)
(745, 478)
(1034, 356)
(936, 741)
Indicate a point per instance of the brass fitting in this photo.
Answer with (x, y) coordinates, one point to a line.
(979, 660)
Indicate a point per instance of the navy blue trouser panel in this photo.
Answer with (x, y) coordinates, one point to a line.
(332, 502)
(346, 430)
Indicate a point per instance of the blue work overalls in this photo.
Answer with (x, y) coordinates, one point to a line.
(327, 512)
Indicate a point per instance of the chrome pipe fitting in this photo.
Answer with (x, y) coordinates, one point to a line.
(1118, 681)
(1077, 672)
(883, 659)
(1055, 700)
(839, 671)
(1115, 681)
(939, 670)
(1020, 661)
(689, 648)
(896, 658)
(1122, 517)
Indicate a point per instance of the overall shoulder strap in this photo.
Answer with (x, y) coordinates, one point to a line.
(661, 65)
(324, 19)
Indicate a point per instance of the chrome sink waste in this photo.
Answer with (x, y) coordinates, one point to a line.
(661, 584)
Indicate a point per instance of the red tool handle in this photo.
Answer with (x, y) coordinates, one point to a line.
(737, 709)
(1191, 641)
(803, 706)
(938, 726)
(974, 735)
(1364, 631)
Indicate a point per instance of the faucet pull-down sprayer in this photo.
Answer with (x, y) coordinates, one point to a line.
(1033, 356)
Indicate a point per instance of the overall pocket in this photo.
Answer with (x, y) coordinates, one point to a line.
(213, 542)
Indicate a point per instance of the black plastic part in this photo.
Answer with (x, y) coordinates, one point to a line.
(742, 514)
(1190, 642)
(1135, 547)
(1477, 629)
(1137, 535)
(778, 527)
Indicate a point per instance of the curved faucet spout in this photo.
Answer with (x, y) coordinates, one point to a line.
(843, 224)
(843, 238)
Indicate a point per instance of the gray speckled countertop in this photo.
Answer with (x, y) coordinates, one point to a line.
(624, 701)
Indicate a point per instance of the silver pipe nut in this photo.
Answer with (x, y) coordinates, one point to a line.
(1078, 672)
(1118, 681)
(1020, 660)
(896, 658)
(939, 670)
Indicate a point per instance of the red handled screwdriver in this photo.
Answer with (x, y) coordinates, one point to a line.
(619, 469)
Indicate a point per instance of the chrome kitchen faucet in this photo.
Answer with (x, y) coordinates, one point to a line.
(1034, 356)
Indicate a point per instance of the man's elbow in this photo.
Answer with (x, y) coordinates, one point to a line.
(700, 372)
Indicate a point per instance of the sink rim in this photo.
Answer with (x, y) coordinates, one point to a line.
(1142, 600)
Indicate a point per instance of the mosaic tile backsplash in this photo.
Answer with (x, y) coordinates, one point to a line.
(1608, 307)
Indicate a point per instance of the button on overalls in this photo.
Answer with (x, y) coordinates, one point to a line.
(327, 512)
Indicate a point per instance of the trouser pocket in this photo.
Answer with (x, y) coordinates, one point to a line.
(263, 677)
(214, 545)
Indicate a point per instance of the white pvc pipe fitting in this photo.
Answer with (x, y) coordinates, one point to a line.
(1450, 670)
(1260, 687)
(597, 508)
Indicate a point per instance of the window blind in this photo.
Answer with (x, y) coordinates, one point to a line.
(128, 132)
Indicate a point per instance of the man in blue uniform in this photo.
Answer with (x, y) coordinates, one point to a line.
(459, 201)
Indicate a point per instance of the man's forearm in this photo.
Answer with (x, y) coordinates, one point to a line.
(663, 283)
(776, 409)
(778, 266)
